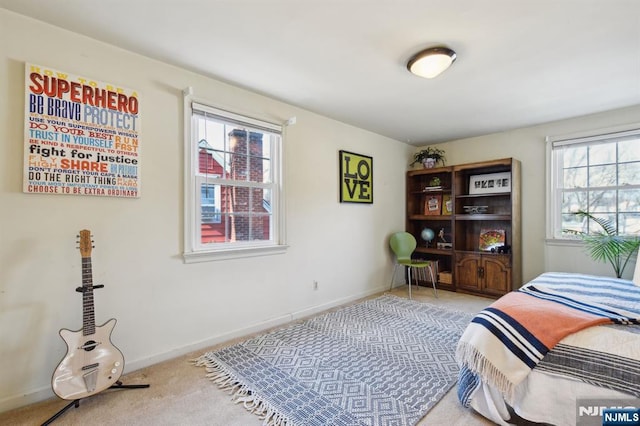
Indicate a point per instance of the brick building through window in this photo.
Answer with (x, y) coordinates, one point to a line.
(231, 211)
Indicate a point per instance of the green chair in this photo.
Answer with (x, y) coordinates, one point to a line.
(403, 244)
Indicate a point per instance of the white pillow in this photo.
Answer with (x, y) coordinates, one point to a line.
(636, 273)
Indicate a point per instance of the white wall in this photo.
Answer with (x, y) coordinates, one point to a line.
(165, 307)
(528, 145)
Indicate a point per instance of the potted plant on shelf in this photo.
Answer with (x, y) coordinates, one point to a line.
(429, 157)
(607, 245)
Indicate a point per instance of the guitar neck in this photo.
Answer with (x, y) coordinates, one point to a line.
(88, 315)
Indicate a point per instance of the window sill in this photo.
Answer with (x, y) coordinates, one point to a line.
(563, 242)
(237, 253)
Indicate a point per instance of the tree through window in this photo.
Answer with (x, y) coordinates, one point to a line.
(599, 175)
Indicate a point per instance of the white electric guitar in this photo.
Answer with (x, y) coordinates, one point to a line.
(92, 363)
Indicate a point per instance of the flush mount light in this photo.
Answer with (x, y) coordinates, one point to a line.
(431, 62)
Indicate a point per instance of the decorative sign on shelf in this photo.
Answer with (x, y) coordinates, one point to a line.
(492, 239)
(356, 178)
(82, 136)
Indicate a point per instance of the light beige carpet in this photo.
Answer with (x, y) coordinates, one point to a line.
(180, 394)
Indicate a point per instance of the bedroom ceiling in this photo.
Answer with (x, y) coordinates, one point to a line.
(519, 63)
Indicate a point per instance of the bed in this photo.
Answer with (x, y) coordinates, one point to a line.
(554, 352)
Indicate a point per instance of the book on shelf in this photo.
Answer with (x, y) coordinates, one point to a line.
(432, 204)
(447, 205)
(432, 188)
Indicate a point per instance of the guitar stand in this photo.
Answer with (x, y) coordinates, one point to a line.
(76, 402)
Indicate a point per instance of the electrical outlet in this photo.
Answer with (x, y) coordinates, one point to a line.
(315, 285)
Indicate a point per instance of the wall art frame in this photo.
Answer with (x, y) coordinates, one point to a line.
(492, 183)
(356, 178)
(77, 141)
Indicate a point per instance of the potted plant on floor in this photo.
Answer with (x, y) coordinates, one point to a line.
(606, 245)
(429, 157)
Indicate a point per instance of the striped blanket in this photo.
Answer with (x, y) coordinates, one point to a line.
(504, 342)
(607, 357)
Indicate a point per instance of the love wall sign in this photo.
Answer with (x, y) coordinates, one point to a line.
(356, 178)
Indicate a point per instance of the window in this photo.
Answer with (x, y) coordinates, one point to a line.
(599, 174)
(233, 195)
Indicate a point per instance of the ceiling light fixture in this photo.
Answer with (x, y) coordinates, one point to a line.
(430, 62)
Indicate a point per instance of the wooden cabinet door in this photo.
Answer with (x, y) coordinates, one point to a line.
(467, 272)
(496, 275)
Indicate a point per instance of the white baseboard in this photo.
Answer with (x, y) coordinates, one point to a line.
(21, 400)
(46, 392)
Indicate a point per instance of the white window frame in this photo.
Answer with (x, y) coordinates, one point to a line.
(554, 190)
(194, 251)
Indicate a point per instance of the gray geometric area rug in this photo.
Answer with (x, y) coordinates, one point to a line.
(385, 361)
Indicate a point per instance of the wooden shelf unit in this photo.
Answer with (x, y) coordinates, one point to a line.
(480, 272)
